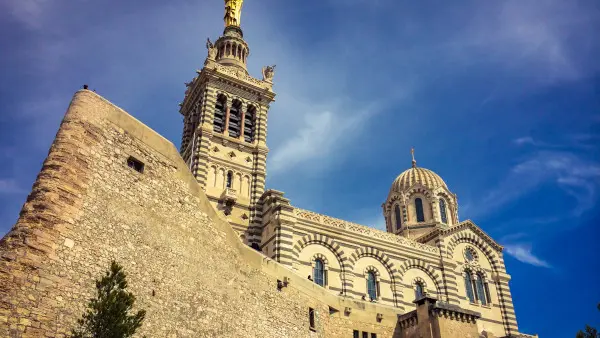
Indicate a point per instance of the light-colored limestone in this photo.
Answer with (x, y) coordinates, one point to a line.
(183, 233)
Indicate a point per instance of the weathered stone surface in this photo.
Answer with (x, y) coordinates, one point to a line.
(186, 265)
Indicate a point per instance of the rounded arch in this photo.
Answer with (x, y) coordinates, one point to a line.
(372, 269)
(419, 280)
(419, 190)
(420, 286)
(378, 255)
(326, 242)
(223, 96)
(391, 200)
(471, 238)
(419, 264)
(460, 269)
(423, 211)
(319, 256)
(451, 205)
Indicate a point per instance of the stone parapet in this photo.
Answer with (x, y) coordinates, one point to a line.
(363, 230)
(454, 312)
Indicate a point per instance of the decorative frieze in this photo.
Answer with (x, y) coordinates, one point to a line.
(454, 312)
(362, 230)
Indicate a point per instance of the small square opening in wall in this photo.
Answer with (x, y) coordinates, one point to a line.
(135, 164)
(311, 319)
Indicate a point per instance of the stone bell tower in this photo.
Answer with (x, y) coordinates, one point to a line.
(225, 127)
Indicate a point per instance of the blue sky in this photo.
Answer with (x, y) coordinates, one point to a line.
(501, 98)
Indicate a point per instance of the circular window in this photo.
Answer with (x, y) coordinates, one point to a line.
(470, 254)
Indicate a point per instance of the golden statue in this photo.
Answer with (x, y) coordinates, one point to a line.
(233, 12)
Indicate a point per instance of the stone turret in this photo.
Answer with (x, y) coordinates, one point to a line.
(232, 50)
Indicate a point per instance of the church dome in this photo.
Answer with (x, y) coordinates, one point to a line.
(414, 175)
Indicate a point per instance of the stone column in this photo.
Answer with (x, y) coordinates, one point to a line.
(434, 211)
(242, 118)
(228, 107)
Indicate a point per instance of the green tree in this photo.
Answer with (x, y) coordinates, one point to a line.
(590, 332)
(108, 315)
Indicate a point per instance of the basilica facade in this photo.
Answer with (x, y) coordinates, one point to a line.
(210, 252)
(426, 250)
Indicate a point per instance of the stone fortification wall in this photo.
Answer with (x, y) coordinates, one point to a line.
(185, 264)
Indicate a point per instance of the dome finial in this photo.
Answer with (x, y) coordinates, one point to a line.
(414, 162)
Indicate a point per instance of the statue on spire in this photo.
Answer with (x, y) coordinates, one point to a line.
(212, 50)
(233, 12)
(414, 162)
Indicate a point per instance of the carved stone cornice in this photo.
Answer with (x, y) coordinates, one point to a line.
(363, 230)
(454, 312)
(238, 75)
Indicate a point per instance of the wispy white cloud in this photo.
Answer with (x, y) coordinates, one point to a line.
(536, 38)
(314, 144)
(523, 253)
(28, 12)
(10, 186)
(524, 140)
(577, 177)
(579, 140)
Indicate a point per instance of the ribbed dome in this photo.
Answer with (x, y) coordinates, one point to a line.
(416, 174)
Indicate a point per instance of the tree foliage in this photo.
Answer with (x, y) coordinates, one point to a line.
(108, 315)
(590, 332)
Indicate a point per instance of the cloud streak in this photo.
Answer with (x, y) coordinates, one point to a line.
(10, 186)
(27, 12)
(522, 252)
(316, 141)
(574, 175)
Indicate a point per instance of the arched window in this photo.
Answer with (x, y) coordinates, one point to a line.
(229, 179)
(443, 211)
(249, 121)
(419, 210)
(419, 290)
(469, 286)
(481, 294)
(372, 285)
(219, 118)
(235, 119)
(398, 216)
(319, 272)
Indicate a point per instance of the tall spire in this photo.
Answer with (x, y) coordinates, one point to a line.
(233, 12)
(414, 162)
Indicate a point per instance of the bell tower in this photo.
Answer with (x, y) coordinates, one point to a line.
(225, 127)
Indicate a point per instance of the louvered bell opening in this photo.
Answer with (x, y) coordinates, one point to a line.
(249, 125)
(234, 120)
(219, 118)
